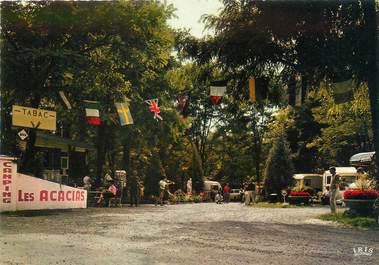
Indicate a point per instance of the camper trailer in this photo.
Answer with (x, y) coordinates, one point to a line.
(310, 180)
(348, 175)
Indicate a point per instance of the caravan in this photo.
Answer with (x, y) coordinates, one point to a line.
(313, 181)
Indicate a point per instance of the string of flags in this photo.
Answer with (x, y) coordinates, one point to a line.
(217, 91)
(342, 85)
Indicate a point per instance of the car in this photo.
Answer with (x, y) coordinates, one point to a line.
(235, 195)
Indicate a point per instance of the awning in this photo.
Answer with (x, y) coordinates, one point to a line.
(53, 141)
(362, 158)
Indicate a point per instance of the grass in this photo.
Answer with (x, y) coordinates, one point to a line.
(359, 221)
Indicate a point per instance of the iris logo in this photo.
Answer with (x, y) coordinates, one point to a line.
(363, 251)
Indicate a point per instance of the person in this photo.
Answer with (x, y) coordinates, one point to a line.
(218, 197)
(134, 189)
(226, 192)
(163, 187)
(249, 194)
(87, 183)
(334, 188)
(108, 193)
(361, 173)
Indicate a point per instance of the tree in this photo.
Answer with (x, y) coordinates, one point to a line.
(279, 167)
(317, 40)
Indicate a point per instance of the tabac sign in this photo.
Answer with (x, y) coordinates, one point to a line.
(34, 118)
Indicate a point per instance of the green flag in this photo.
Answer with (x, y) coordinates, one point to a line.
(343, 91)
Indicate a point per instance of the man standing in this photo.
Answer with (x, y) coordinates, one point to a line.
(334, 188)
(134, 189)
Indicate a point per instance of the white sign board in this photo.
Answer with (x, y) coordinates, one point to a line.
(22, 134)
(22, 192)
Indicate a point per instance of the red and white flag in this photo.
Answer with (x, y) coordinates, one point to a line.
(92, 112)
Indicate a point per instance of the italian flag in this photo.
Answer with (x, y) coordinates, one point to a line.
(92, 112)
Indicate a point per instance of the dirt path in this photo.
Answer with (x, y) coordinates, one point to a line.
(182, 234)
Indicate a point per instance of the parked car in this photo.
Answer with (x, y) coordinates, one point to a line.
(235, 195)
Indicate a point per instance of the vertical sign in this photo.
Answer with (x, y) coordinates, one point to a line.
(8, 171)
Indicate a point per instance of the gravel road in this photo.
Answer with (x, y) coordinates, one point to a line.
(182, 234)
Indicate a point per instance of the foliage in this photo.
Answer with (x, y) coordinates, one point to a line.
(364, 184)
(279, 168)
(364, 222)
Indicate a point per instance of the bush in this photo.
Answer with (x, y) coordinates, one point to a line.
(197, 198)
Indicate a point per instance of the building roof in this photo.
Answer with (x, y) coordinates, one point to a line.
(362, 158)
(53, 141)
(303, 175)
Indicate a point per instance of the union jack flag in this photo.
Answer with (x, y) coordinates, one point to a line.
(153, 103)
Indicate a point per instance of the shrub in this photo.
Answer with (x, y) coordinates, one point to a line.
(197, 198)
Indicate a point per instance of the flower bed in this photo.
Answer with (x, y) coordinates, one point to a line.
(360, 201)
(300, 193)
(298, 197)
(360, 194)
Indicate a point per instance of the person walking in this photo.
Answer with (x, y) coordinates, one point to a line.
(163, 187)
(334, 189)
(226, 193)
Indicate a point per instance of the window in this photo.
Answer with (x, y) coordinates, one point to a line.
(307, 182)
(64, 162)
(328, 179)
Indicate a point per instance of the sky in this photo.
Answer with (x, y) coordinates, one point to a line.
(189, 13)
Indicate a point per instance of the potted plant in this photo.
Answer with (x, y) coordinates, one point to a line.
(360, 197)
(300, 194)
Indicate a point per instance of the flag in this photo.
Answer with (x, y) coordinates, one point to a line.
(258, 88)
(124, 113)
(343, 91)
(182, 101)
(92, 112)
(299, 91)
(217, 90)
(252, 91)
(153, 103)
(65, 100)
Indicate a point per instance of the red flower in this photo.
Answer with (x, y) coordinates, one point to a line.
(361, 194)
(300, 193)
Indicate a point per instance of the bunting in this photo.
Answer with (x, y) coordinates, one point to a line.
(124, 113)
(92, 112)
(153, 103)
(217, 90)
(343, 91)
(64, 99)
